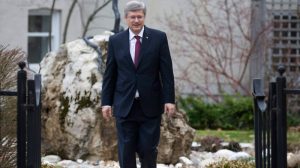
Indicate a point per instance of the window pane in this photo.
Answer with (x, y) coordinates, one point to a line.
(39, 23)
(37, 48)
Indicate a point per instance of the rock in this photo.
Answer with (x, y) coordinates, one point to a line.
(71, 120)
(72, 124)
(195, 146)
(208, 161)
(185, 161)
(195, 158)
(248, 148)
(171, 166)
(162, 166)
(224, 153)
(79, 161)
(293, 160)
(239, 155)
(175, 139)
(179, 165)
(109, 164)
(68, 163)
(50, 159)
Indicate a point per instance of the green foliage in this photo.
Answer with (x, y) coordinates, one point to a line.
(233, 164)
(234, 112)
(292, 119)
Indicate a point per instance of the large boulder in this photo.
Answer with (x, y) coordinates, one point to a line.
(72, 124)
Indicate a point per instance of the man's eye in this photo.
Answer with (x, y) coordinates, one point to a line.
(136, 17)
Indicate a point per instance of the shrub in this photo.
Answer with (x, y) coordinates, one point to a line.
(9, 59)
(47, 166)
(234, 112)
(233, 164)
(199, 113)
(211, 143)
(8, 152)
(292, 119)
(234, 146)
(237, 112)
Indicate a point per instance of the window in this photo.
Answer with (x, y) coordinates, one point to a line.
(38, 33)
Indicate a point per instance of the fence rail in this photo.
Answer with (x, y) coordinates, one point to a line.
(28, 119)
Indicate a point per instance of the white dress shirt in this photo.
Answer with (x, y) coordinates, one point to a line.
(132, 41)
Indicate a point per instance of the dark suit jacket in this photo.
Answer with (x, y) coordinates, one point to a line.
(153, 77)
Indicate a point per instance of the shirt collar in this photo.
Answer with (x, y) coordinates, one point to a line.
(131, 34)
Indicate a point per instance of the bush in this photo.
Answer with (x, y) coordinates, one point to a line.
(47, 166)
(9, 59)
(211, 143)
(199, 113)
(235, 112)
(233, 164)
(292, 119)
(234, 146)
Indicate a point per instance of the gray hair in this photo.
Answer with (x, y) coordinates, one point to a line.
(134, 6)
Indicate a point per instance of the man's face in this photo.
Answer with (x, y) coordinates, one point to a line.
(135, 20)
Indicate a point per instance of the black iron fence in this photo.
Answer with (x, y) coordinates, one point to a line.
(28, 119)
(271, 122)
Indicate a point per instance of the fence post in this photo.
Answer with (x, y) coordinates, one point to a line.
(34, 123)
(260, 107)
(281, 119)
(21, 117)
(38, 105)
(273, 123)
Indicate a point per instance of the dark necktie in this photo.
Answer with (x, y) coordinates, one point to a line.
(137, 50)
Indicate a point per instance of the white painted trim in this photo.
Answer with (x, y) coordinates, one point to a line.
(38, 34)
(55, 35)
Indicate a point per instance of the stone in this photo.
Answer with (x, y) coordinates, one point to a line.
(162, 166)
(68, 163)
(72, 124)
(185, 161)
(293, 160)
(49, 159)
(208, 161)
(179, 165)
(239, 155)
(195, 146)
(175, 139)
(224, 153)
(80, 161)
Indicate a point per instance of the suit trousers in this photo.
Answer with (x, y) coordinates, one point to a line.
(138, 134)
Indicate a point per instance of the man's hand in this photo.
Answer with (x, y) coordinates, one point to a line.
(170, 109)
(106, 112)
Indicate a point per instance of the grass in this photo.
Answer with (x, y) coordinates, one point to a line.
(241, 135)
(227, 135)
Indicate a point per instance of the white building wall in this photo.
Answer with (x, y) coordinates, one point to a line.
(14, 20)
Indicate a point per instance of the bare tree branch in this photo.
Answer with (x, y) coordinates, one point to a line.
(91, 17)
(68, 20)
(213, 38)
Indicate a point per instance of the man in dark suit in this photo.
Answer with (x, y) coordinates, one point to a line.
(139, 84)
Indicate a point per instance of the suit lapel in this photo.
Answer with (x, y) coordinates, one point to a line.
(127, 45)
(145, 44)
